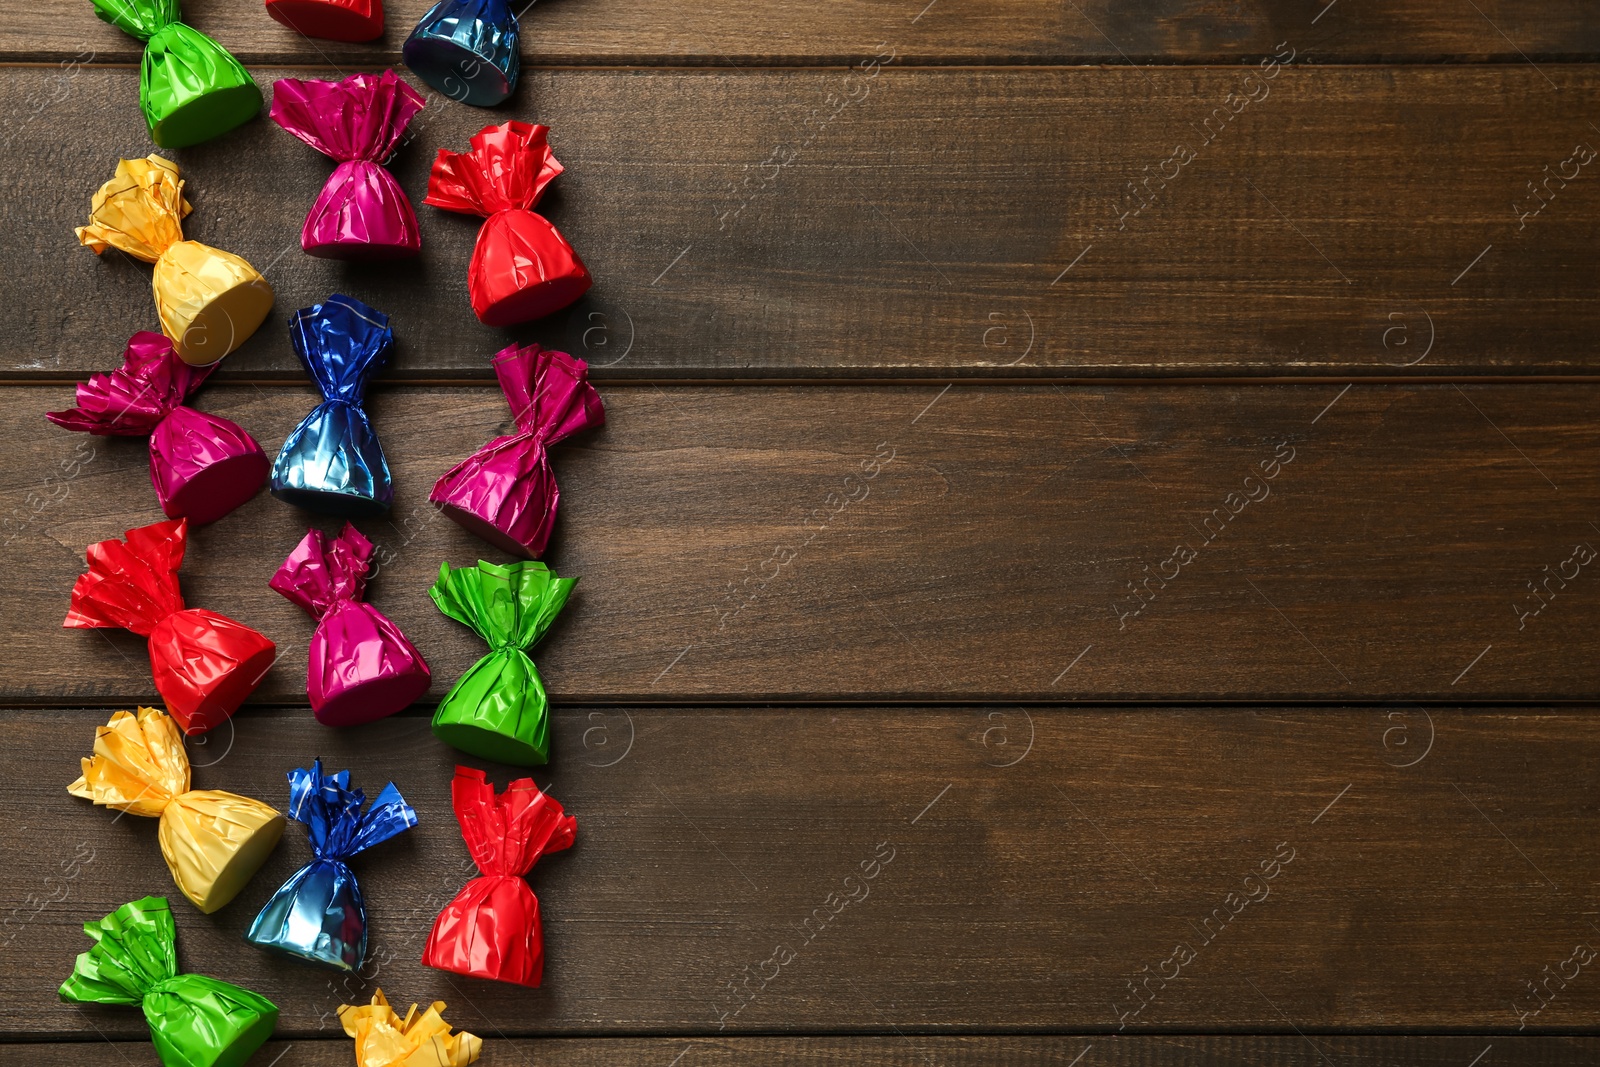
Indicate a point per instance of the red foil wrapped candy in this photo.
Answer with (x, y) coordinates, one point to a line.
(505, 492)
(361, 667)
(333, 20)
(522, 268)
(202, 466)
(204, 664)
(362, 213)
(491, 929)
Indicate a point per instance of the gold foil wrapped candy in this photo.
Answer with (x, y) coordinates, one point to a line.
(209, 301)
(384, 1039)
(213, 841)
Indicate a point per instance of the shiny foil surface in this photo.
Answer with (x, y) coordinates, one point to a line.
(506, 492)
(202, 465)
(361, 666)
(491, 929)
(420, 1039)
(362, 213)
(521, 267)
(332, 461)
(319, 915)
(209, 301)
(195, 1021)
(190, 88)
(333, 20)
(212, 841)
(204, 664)
(466, 49)
(498, 710)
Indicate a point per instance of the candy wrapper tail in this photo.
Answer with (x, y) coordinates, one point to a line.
(209, 301)
(361, 213)
(195, 1021)
(212, 841)
(521, 267)
(191, 89)
(319, 915)
(498, 709)
(360, 667)
(506, 491)
(332, 462)
(492, 928)
(202, 465)
(420, 1039)
(204, 664)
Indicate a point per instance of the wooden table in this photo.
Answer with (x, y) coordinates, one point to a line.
(1113, 471)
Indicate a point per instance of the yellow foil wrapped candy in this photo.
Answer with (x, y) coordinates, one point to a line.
(213, 841)
(383, 1039)
(209, 301)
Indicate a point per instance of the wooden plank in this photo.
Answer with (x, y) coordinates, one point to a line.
(918, 1051)
(997, 31)
(946, 223)
(1384, 867)
(996, 549)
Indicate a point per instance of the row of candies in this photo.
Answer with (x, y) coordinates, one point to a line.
(360, 666)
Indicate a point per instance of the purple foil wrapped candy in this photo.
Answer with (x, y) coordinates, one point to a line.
(505, 492)
(361, 666)
(362, 212)
(202, 466)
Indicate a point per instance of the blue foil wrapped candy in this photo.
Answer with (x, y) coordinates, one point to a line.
(466, 49)
(332, 461)
(319, 915)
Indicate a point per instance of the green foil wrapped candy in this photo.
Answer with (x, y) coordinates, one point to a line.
(190, 88)
(195, 1021)
(498, 710)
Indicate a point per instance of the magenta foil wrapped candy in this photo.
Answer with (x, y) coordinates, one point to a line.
(202, 466)
(362, 212)
(505, 492)
(361, 666)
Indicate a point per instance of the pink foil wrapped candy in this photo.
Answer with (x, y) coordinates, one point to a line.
(202, 466)
(361, 666)
(505, 492)
(362, 212)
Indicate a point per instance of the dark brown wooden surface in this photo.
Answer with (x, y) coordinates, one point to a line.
(991, 558)
(570, 32)
(918, 1051)
(943, 224)
(1037, 860)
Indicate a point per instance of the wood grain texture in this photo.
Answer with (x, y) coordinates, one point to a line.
(1407, 869)
(940, 224)
(995, 31)
(918, 1051)
(1400, 548)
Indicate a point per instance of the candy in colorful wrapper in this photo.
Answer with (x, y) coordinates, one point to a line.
(492, 929)
(190, 88)
(204, 663)
(384, 1039)
(332, 461)
(213, 841)
(209, 301)
(521, 268)
(362, 213)
(195, 1021)
(203, 466)
(361, 666)
(466, 49)
(333, 20)
(505, 492)
(498, 709)
(319, 915)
